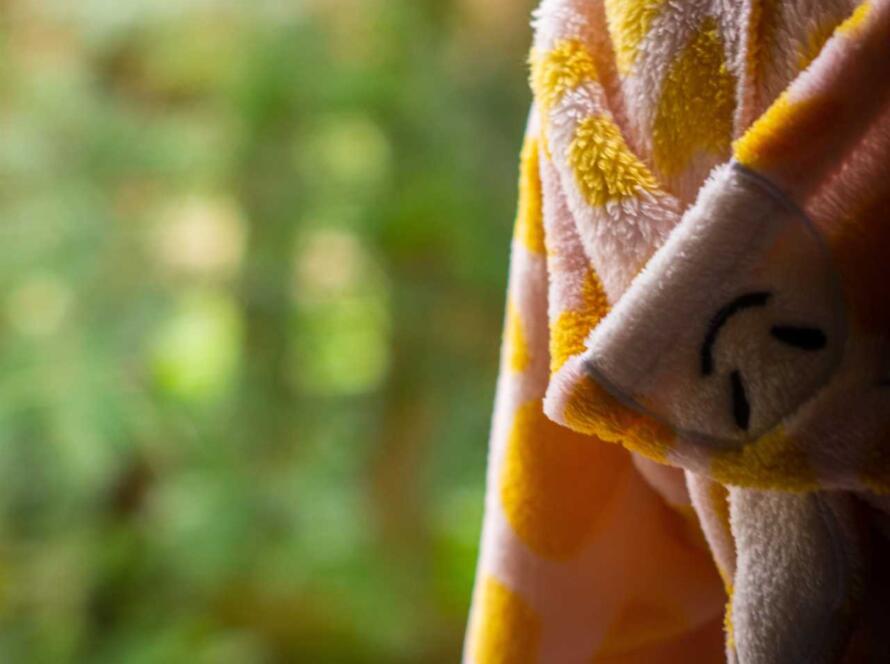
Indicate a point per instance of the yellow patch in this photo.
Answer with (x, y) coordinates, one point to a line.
(629, 22)
(555, 482)
(775, 138)
(520, 357)
(639, 624)
(605, 168)
(529, 226)
(813, 45)
(554, 73)
(505, 629)
(772, 462)
(695, 110)
(852, 25)
(571, 329)
(592, 410)
(727, 620)
(752, 148)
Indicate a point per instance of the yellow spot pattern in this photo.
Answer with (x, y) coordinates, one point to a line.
(638, 624)
(728, 627)
(695, 110)
(605, 169)
(819, 36)
(753, 149)
(852, 25)
(519, 354)
(556, 72)
(556, 482)
(529, 218)
(629, 22)
(776, 136)
(569, 332)
(592, 410)
(506, 630)
(775, 461)
(813, 45)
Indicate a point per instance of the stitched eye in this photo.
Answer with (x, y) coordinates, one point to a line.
(804, 338)
(718, 320)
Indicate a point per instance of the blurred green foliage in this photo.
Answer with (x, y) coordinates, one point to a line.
(252, 263)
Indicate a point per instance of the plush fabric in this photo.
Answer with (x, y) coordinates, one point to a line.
(689, 446)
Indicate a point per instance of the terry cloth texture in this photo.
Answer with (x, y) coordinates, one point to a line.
(691, 441)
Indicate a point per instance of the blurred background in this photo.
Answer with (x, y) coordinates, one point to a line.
(252, 257)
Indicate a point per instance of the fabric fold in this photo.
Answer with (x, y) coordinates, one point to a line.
(688, 443)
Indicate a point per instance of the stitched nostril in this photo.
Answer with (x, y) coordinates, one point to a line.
(804, 338)
(741, 407)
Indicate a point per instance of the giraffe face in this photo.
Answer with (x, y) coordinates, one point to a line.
(734, 324)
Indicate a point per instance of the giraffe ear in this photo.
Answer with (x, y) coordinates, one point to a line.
(734, 323)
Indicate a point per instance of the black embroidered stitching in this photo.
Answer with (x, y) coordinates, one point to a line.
(800, 337)
(741, 407)
(746, 301)
(804, 338)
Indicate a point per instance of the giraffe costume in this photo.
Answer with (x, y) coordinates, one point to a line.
(698, 274)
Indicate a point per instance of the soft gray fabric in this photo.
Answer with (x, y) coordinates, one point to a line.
(800, 576)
